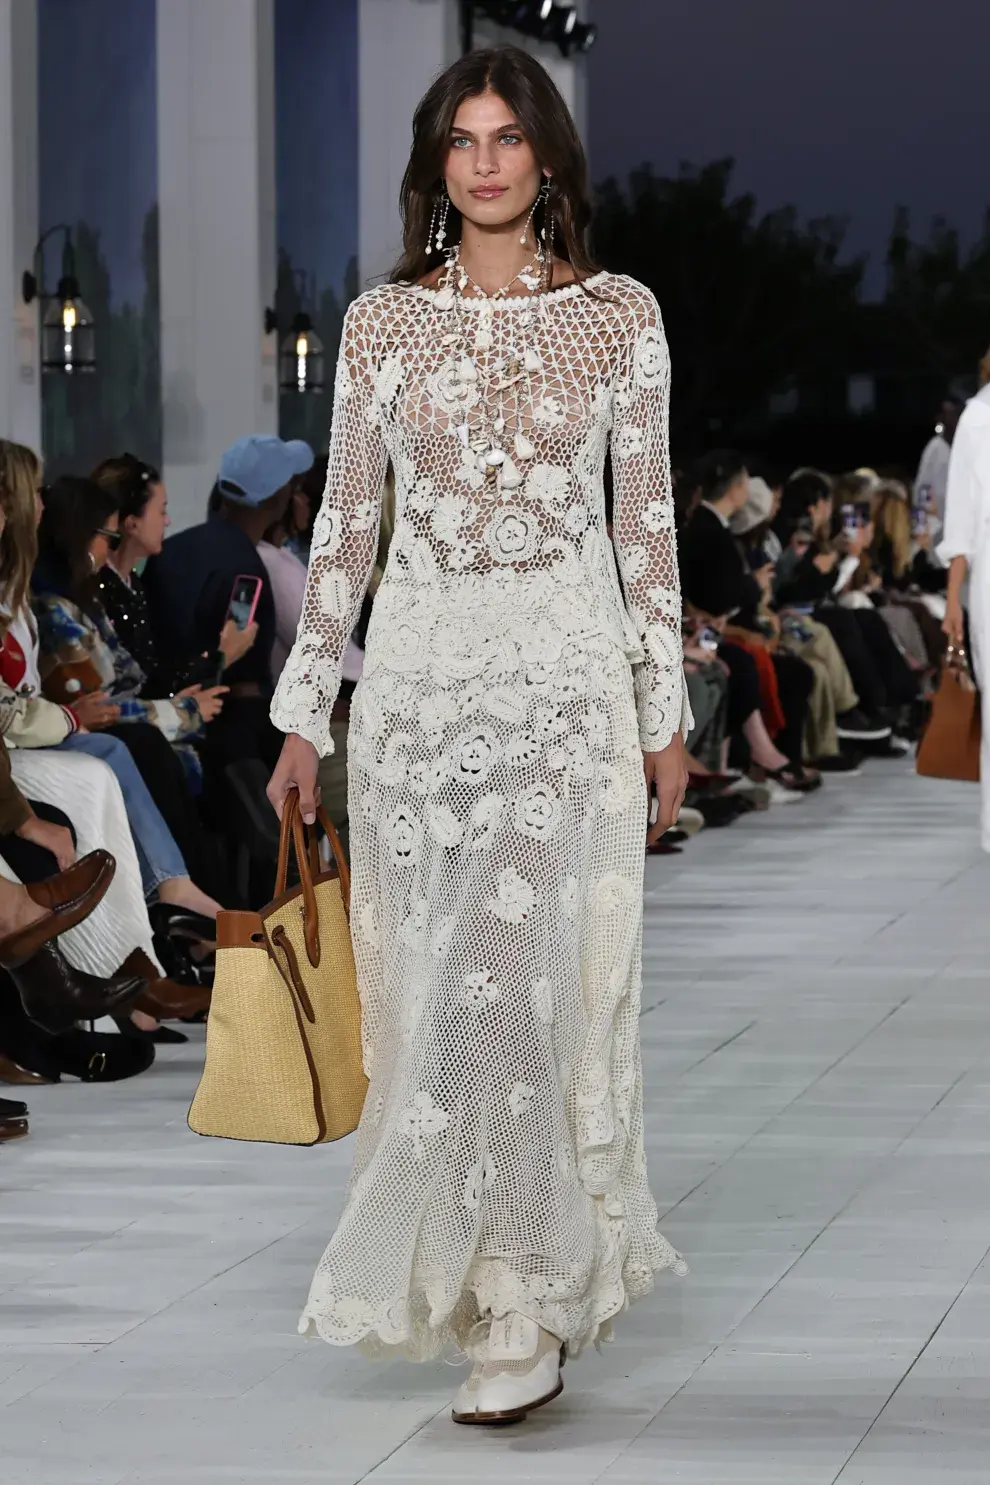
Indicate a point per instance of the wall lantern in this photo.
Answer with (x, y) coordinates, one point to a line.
(68, 336)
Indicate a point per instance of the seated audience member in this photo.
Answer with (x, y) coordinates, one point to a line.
(43, 735)
(717, 582)
(142, 512)
(40, 989)
(304, 507)
(813, 570)
(79, 654)
(189, 587)
(833, 704)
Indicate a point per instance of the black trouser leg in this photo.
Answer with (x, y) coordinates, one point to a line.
(795, 682)
(866, 676)
(899, 679)
(744, 685)
(30, 862)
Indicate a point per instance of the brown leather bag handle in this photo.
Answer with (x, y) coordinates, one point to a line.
(304, 840)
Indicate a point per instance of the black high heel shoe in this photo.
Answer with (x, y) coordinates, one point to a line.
(175, 931)
(161, 1036)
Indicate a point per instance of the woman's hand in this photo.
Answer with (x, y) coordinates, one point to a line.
(666, 777)
(296, 769)
(95, 711)
(235, 643)
(209, 702)
(50, 837)
(954, 623)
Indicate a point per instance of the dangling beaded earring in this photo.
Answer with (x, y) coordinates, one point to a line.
(432, 232)
(541, 195)
(441, 227)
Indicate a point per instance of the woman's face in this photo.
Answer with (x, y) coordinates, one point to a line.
(147, 530)
(492, 175)
(299, 512)
(99, 547)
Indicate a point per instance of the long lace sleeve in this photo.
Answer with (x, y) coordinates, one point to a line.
(345, 540)
(643, 521)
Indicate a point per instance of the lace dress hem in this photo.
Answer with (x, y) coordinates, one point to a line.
(418, 1329)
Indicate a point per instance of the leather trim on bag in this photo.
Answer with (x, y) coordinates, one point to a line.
(294, 979)
(240, 930)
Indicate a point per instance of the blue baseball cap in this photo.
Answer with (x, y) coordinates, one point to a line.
(255, 468)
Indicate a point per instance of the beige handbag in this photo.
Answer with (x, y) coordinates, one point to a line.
(283, 1039)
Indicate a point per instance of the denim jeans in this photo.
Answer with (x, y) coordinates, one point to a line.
(159, 856)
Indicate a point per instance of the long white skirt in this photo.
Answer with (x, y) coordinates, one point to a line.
(497, 837)
(87, 790)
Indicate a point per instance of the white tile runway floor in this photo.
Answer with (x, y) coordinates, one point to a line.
(817, 1045)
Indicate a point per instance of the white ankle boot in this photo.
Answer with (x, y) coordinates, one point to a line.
(520, 1371)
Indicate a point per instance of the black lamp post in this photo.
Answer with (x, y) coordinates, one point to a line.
(68, 336)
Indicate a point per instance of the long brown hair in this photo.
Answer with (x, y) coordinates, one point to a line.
(529, 91)
(892, 522)
(20, 475)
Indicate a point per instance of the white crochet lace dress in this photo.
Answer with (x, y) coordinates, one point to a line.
(497, 816)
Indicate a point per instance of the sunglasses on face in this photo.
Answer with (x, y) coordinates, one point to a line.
(112, 538)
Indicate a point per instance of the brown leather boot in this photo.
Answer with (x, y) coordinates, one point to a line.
(161, 997)
(55, 996)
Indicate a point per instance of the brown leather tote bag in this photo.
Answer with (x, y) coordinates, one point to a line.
(950, 746)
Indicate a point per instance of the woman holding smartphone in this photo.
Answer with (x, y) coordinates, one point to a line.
(142, 511)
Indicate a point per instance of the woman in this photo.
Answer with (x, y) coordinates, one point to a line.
(80, 655)
(965, 548)
(497, 802)
(142, 516)
(109, 801)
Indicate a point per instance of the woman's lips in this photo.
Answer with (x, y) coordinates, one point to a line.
(488, 193)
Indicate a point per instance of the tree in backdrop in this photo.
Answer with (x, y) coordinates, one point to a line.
(748, 299)
(758, 303)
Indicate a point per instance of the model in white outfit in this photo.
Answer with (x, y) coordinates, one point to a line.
(497, 807)
(966, 549)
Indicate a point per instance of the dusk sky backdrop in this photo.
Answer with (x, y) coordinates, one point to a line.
(839, 106)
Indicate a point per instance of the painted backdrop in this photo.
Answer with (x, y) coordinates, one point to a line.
(316, 69)
(98, 174)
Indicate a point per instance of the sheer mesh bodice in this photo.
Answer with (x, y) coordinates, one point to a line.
(497, 810)
(538, 554)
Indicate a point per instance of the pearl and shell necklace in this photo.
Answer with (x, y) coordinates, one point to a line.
(489, 388)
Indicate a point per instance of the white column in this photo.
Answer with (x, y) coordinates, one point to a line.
(402, 45)
(20, 389)
(216, 182)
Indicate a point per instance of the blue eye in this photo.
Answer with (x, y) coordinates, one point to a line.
(455, 143)
(510, 139)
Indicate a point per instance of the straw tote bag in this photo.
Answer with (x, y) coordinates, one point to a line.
(950, 747)
(283, 1039)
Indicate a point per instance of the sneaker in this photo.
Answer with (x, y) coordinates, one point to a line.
(849, 764)
(856, 726)
(779, 795)
(894, 747)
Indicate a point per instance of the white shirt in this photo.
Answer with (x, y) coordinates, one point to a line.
(933, 474)
(967, 507)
